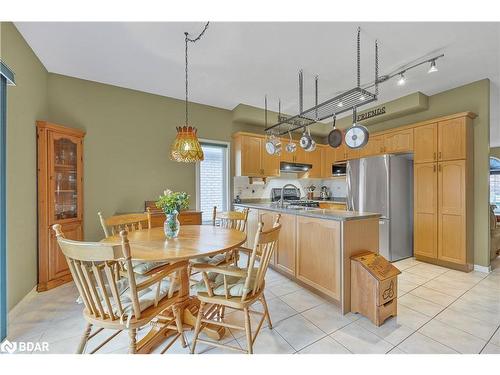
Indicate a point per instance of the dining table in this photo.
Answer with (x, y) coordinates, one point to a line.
(192, 242)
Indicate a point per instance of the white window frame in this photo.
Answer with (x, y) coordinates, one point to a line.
(227, 172)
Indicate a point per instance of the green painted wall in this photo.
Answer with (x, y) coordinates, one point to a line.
(26, 103)
(126, 148)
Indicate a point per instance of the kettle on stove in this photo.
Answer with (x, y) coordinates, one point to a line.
(325, 192)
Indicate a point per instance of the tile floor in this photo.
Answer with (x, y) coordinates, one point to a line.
(439, 311)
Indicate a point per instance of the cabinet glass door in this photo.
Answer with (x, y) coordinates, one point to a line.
(65, 177)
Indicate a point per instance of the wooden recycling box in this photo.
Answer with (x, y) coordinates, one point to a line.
(374, 287)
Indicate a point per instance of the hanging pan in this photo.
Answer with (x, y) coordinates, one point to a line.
(335, 136)
(357, 135)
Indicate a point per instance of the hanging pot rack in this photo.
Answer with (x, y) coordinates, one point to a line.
(346, 101)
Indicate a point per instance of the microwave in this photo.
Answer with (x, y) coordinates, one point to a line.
(339, 169)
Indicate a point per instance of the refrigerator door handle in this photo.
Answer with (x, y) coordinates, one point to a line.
(350, 200)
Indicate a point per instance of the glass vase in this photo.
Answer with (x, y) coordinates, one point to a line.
(171, 226)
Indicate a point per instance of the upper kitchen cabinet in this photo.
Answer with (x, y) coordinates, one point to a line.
(251, 158)
(315, 158)
(344, 153)
(60, 198)
(426, 143)
(375, 146)
(398, 142)
(453, 136)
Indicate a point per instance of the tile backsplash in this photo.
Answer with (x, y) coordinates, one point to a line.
(259, 190)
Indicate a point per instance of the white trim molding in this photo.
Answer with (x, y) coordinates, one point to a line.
(484, 269)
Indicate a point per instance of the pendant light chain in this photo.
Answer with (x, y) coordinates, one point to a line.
(188, 39)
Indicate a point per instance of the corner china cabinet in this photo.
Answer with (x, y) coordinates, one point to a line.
(60, 198)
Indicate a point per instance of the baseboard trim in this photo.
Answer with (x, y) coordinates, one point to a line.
(13, 312)
(480, 268)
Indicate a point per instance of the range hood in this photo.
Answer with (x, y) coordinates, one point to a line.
(294, 167)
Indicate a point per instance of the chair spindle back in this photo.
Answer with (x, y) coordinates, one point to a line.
(130, 222)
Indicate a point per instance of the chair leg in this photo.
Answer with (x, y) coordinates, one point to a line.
(132, 348)
(248, 330)
(266, 311)
(84, 339)
(178, 322)
(197, 327)
(222, 311)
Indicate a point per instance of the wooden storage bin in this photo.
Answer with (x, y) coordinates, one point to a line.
(374, 287)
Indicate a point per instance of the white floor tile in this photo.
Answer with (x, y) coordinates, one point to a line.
(426, 270)
(302, 300)
(415, 279)
(327, 317)
(326, 345)
(396, 350)
(268, 341)
(283, 288)
(299, 332)
(278, 310)
(479, 328)
(421, 305)
(410, 318)
(361, 341)
(452, 337)
(433, 296)
(491, 349)
(481, 312)
(496, 338)
(420, 344)
(391, 331)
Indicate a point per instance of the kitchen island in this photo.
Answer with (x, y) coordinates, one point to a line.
(315, 245)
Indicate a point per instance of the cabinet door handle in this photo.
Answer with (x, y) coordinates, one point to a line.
(439, 167)
(434, 157)
(434, 168)
(439, 155)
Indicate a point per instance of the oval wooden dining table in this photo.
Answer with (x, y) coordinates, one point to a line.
(193, 241)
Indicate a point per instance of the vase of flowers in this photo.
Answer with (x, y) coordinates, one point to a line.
(171, 204)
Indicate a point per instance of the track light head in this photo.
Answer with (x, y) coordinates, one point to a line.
(433, 68)
(402, 80)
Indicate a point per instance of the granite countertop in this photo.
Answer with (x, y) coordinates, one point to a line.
(319, 213)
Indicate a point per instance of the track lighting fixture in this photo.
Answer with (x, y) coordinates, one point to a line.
(401, 80)
(433, 67)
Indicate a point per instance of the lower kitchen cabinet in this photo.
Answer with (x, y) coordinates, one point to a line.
(285, 253)
(254, 217)
(318, 254)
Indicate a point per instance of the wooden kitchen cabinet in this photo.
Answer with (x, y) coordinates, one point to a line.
(454, 139)
(251, 158)
(318, 254)
(285, 253)
(315, 158)
(425, 143)
(332, 206)
(398, 142)
(425, 211)
(60, 198)
(452, 210)
(328, 160)
(374, 147)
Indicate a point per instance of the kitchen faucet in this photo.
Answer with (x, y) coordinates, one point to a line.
(282, 191)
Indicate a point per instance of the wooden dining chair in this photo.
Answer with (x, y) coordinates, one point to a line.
(128, 303)
(236, 288)
(231, 220)
(113, 225)
(130, 222)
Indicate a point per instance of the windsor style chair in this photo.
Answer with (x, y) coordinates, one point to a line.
(127, 303)
(131, 223)
(237, 288)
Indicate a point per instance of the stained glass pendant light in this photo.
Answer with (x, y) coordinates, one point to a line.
(186, 147)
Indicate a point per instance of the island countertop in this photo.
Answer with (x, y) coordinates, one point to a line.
(318, 213)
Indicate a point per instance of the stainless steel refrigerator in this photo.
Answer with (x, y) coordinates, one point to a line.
(384, 184)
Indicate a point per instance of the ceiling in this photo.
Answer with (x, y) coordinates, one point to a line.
(240, 62)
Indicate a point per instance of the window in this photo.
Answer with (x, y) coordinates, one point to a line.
(495, 183)
(212, 187)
